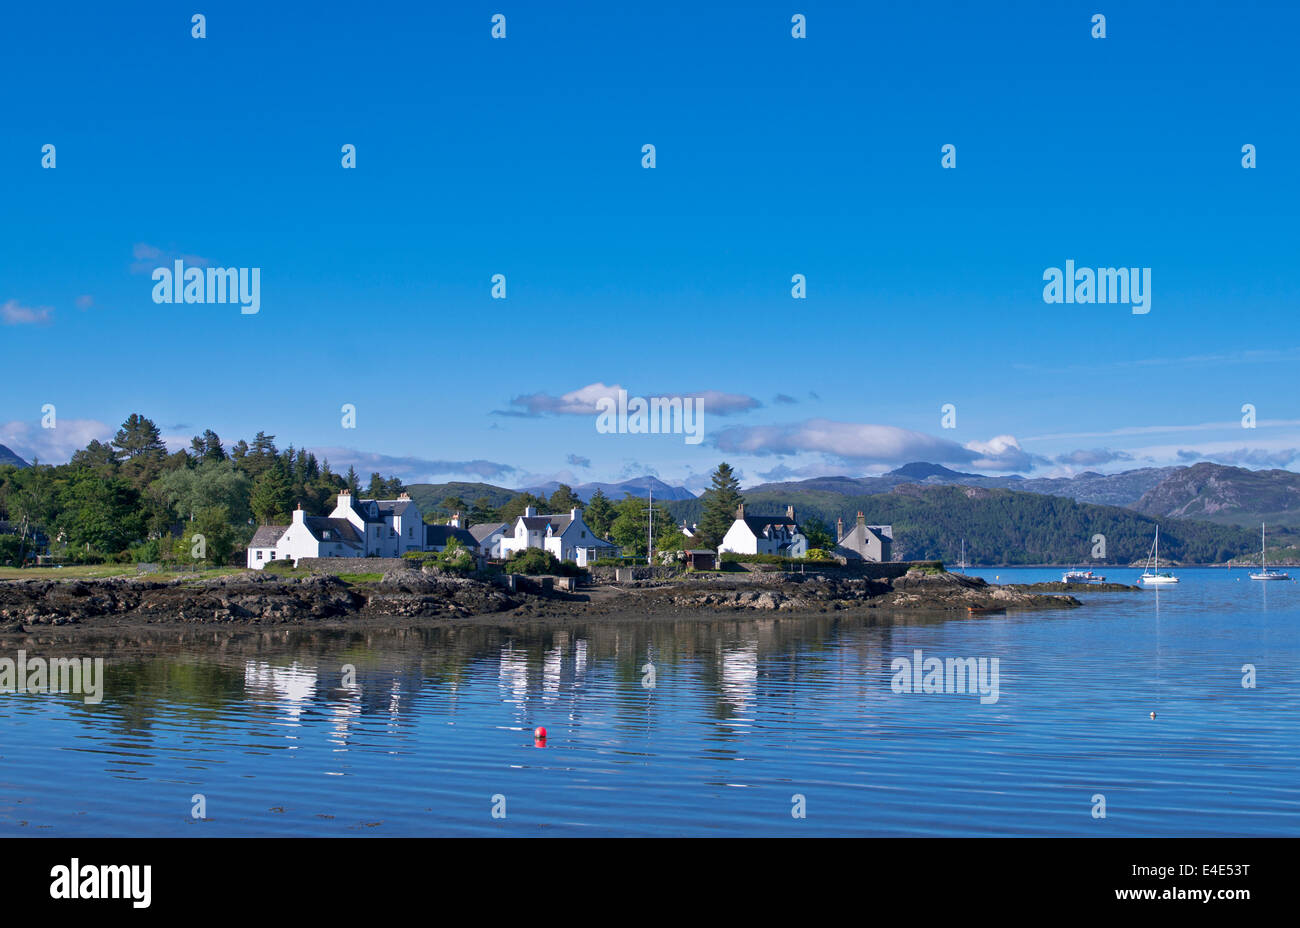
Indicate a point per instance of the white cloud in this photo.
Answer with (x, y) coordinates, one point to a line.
(582, 402)
(11, 313)
(52, 446)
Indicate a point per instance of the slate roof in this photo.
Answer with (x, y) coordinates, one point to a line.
(437, 535)
(341, 530)
(267, 536)
(397, 507)
(366, 508)
(761, 525)
(484, 529)
(536, 523)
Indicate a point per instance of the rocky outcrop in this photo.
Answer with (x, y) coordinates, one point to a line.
(265, 599)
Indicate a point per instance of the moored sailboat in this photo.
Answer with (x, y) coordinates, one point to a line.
(1264, 572)
(1152, 575)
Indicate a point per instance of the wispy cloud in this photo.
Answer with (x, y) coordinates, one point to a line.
(14, 313)
(864, 443)
(52, 446)
(147, 257)
(410, 469)
(575, 460)
(1092, 457)
(582, 402)
(1243, 457)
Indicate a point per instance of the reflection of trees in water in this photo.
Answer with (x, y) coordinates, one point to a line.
(299, 673)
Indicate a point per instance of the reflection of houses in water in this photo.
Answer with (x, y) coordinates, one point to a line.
(739, 675)
(293, 688)
(549, 672)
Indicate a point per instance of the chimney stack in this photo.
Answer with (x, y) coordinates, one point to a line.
(455, 520)
(839, 529)
(740, 511)
(530, 512)
(789, 513)
(862, 520)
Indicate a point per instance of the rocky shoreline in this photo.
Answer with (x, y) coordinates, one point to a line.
(413, 597)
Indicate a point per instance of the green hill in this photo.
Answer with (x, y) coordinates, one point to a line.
(1002, 527)
(429, 496)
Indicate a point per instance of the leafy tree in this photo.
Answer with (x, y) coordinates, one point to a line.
(97, 454)
(98, 514)
(453, 504)
(213, 523)
(212, 483)
(631, 526)
(599, 514)
(563, 499)
(482, 511)
(818, 535)
(455, 558)
(720, 502)
(514, 507)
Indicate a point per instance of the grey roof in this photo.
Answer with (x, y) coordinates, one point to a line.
(342, 531)
(267, 536)
(536, 523)
(760, 525)
(484, 529)
(398, 507)
(438, 535)
(368, 509)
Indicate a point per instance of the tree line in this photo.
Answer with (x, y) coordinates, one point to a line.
(130, 498)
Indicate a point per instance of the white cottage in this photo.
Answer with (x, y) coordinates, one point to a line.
(765, 535)
(356, 528)
(489, 535)
(565, 536)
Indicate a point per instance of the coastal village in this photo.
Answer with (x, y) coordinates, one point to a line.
(393, 528)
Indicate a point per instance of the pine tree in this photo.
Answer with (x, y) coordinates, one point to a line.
(599, 514)
(720, 502)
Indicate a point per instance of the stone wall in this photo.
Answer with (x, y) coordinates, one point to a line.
(355, 565)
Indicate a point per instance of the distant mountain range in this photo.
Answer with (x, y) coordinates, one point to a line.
(8, 457)
(1123, 489)
(1211, 492)
(1208, 512)
(1000, 527)
(429, 496)
(638, 486)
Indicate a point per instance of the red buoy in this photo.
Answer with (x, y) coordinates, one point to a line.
(539, 733)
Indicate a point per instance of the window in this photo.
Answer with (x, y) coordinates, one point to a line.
(410, 532)
(273, 555)
(259, 555)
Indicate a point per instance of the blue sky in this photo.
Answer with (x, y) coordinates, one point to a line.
(775, 156)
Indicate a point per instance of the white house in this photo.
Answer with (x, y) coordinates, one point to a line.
(356, 528)
(565, 536)
(765, 535)
(489, 535)
(306, 536)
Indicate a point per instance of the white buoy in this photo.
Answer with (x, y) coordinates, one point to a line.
(1153, 715)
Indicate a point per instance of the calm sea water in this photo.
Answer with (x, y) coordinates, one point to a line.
(745, 715)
